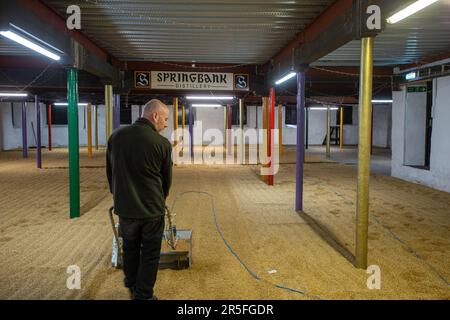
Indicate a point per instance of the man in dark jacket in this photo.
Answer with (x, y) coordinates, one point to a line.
(139, 170)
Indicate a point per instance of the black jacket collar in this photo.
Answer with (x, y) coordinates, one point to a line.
(145, 122)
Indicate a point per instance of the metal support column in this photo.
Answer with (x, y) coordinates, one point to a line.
(96, 126)
(271, 135)
(280, 131)
(229, 133)
(300, 141)
(38, 133)
(24, 131)
(89, 130)
(191, 130)
(306, 128)
(108, 110)
(175, 121)
(365, 98)
(241, 135)
(116, 112)
(341, 129)
(183, 124)
(225, 127)
(328, 132)
(265, 138)
(49, 120)
(74, 161)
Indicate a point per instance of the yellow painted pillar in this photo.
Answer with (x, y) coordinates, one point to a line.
(365, 98)
(89, 130)
(183, 124)
(225, 127)
(175, 121)
(241, 135)
(96, 126)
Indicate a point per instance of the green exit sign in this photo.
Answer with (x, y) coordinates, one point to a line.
(417, 89)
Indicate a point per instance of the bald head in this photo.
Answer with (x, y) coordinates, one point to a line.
(157, 113)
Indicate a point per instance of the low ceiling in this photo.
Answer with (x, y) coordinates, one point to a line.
(425, 34)
(238, 32)
(231, 31)
(214, 31)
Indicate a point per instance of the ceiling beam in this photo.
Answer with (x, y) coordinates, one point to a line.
(341, 23)
(42, 22)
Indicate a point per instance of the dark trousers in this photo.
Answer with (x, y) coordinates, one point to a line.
(141, 251)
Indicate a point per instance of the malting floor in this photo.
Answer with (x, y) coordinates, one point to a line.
(283, 254)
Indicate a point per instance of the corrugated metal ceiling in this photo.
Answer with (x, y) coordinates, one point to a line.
(239, 32)
(219, 31)
(424, 34)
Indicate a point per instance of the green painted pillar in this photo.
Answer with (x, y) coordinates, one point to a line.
(74, 157)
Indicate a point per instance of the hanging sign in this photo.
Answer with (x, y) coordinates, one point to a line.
(174, 80)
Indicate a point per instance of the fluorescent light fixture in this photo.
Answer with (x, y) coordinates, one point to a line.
(8, 94)
(209, 98)
(286, 78)
(410, 10)
(323, 108)
(65, 104)
(411, 76)
(382, 101)
(206, 105)
(27, 43)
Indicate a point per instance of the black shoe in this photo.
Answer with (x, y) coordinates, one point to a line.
(131, 293)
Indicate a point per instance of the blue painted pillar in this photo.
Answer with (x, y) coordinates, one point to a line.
(116, 111)
(300, 140)
(191, 129)
(38, 132)
(24, 131)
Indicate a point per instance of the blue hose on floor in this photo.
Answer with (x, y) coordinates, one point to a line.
(252, 273)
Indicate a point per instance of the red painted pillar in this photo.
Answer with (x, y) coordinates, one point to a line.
(271, 135)
(49, 113)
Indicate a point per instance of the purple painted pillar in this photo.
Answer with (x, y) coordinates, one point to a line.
(191, 129)
(300, 140)
(24, 131)
(38, 132)
(116, 111)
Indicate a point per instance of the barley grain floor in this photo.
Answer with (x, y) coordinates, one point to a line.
(409, 237)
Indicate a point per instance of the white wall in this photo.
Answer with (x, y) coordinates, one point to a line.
(12, 135)
(415, 120)
(210, 117)
(439, 174)
(382, 124)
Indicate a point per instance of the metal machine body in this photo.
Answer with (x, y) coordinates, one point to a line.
(176, 249)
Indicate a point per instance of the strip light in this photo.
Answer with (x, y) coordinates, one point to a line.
(207, 105)
(209, 98)
(8, 94)
(382, 101)
(27, 43)
(286, 78)
(410, 10)
(322, 108)
(65, 104)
